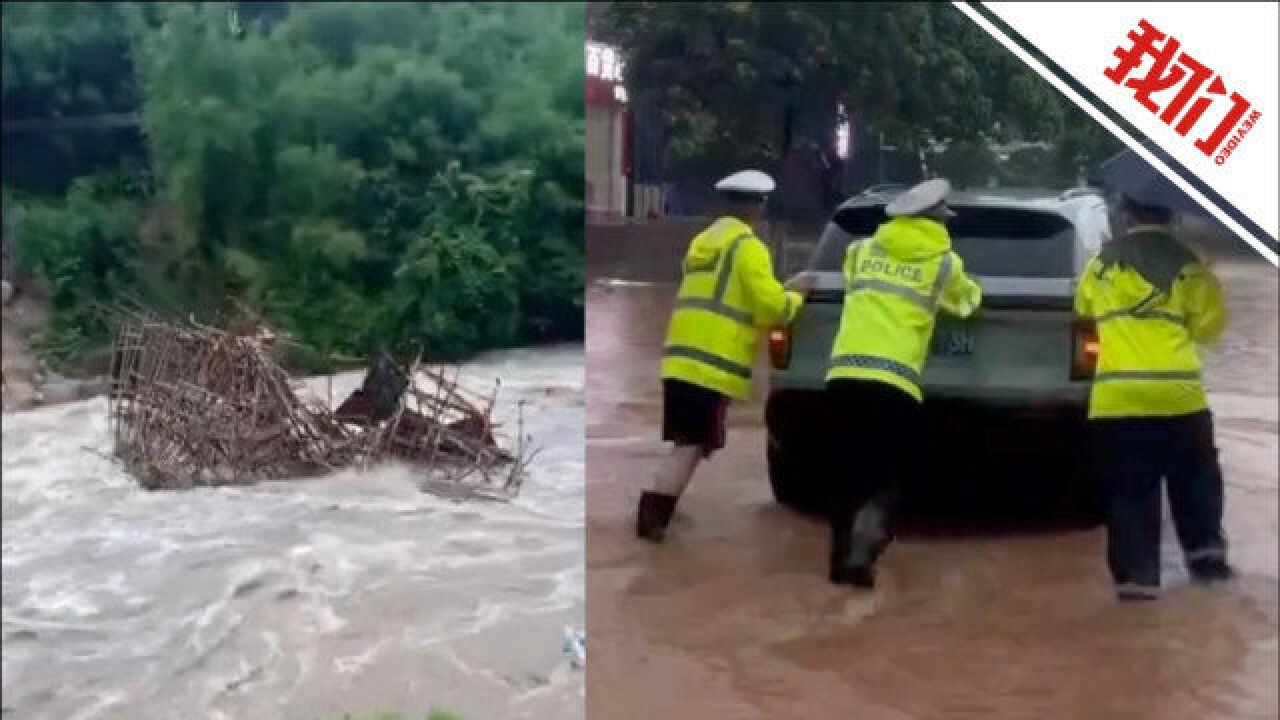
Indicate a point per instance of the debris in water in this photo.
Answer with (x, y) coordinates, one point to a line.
(193, 405)
(575, 648)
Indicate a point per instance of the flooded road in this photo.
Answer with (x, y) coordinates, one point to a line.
(733, 617)
(352, 593)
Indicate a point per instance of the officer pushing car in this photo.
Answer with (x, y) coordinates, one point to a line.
(728, 294)
(895, 283)
(1154, 300)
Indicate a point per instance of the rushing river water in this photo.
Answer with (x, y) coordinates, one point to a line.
(295, 599)
(733, 618)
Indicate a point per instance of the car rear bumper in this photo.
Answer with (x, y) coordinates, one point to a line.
(1067, 398)
(975, 455)
(1008, 423)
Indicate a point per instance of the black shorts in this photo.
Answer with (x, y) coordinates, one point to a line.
(693, 415)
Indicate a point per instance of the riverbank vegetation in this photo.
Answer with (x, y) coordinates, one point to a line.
(362, 174)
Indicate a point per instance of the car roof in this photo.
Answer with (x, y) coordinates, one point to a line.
(1025, 198)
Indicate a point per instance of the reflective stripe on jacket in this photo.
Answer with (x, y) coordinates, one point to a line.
(1148, 364)
(728, 291)
(894, 285)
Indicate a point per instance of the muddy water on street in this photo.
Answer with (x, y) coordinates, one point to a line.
(733, 617)
(297, 599)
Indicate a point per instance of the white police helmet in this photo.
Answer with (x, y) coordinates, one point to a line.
(747, 182)
(920, 198)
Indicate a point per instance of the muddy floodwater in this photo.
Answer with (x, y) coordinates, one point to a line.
(733, 618)
(296, 599)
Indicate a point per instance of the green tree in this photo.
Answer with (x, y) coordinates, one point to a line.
(68, 59)
(365, 174)
(743, 83)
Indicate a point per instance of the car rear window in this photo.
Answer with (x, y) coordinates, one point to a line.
(1009, 242)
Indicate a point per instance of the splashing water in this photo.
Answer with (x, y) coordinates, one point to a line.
(354, 592)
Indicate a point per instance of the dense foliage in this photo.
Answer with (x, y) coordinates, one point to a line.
(363, 173)
(746, 83)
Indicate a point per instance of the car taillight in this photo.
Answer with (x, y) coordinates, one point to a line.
(1084, 349)
(780, 348)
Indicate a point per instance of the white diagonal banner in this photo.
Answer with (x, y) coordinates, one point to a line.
(1199, 80)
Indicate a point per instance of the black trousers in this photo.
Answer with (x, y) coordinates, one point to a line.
(872, 450)
(1133, 455)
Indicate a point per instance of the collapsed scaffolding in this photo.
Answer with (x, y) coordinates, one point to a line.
(193, 405)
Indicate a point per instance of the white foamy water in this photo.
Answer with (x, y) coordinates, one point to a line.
(294, 599)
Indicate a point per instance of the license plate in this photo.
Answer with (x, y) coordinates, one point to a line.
(953, 342)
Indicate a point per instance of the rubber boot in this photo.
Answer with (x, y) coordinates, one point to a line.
(841, 544)
(853, 555)
(860, 564)
(878, 548)
(653, 514)
(1210, 571)
(869, 540)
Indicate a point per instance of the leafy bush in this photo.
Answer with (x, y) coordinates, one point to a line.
(365, 173)
(81, 251)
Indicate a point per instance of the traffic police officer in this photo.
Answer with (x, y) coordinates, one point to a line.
(895, 282)
(1153, 300)
(727, 294)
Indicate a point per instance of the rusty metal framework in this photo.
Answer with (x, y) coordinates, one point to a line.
(193, 405)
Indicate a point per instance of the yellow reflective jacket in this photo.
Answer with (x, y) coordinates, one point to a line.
(727, 293)
(1147, 359)
(894, 285)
